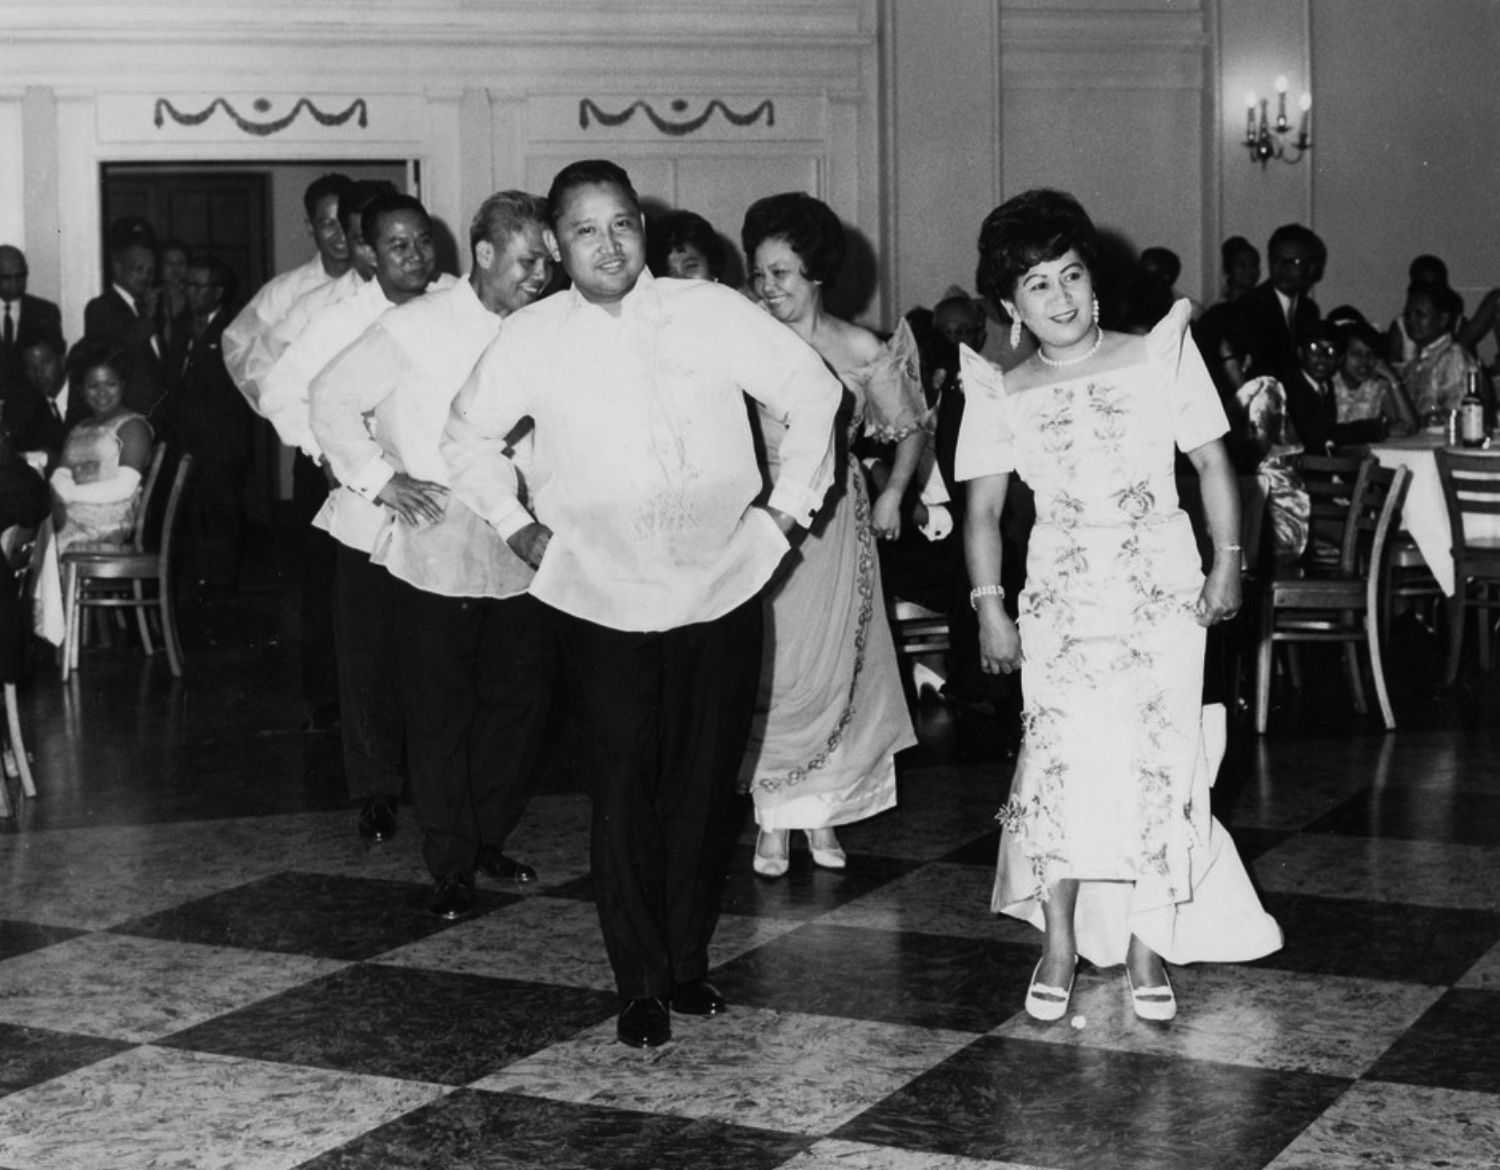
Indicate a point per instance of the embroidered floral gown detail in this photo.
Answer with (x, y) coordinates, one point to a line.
(831, 713)
(1112, 783)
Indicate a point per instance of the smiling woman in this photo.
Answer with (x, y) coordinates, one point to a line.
(1108, 844)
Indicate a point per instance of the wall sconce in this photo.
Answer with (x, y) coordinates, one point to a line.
(1266, 139)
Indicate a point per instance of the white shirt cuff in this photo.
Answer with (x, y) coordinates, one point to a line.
(797, 502)
(511, 519)
(371, 479)
(939, 523)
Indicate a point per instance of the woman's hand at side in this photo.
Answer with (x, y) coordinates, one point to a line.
(1221, 596)
(999, 640)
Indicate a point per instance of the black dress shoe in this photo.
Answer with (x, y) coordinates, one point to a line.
(452, 897)
(496, 865)
(377, 819)
(645, 1023)
(698, 998)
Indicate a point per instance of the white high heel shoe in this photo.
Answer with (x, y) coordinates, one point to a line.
(827, 858)
(771, 865)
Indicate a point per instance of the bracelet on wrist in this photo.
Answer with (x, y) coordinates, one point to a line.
(985, 591)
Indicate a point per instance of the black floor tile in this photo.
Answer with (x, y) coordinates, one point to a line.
(1095, 1109)
(1378, 940)
(1250, 842)
(804, 892)
(1453, 1046)
(402, 1022)
(29, 1056)
(487, 1131)
(16, 938)
(307, 914)
(929, 980)
(1425, 814)
(983, 851)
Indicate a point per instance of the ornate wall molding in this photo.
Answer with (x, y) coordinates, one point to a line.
(357, 111)
(677, 126)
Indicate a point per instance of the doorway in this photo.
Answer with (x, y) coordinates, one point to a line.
(249, 215)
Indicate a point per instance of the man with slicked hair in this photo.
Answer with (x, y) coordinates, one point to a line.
(650, 553)
(472, 659)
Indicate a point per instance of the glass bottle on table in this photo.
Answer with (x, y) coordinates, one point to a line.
(1471, 430)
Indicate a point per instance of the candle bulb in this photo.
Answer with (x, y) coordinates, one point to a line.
(1304, 137)
(1249, 118)
(1281, 87)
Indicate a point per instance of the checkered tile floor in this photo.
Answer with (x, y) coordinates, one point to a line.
(227, 978)
(267, 993)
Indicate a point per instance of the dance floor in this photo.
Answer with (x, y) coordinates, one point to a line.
(202, 966)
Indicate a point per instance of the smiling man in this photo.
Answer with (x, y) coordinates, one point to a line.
(651, 553)
(399, 230)
(471, 654)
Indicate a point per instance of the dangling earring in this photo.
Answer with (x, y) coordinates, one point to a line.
(1096, 310)
(1015, 333)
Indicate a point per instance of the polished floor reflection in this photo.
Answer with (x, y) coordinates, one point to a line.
(202, 966)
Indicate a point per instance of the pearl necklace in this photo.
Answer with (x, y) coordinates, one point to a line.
(1059, 363)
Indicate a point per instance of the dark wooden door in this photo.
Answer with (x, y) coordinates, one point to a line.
(224, 214)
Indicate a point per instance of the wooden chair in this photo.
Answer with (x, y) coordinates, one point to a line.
(1343, 606)
(90, 580)
(16, 544)
(918, 632)
(1329, 480)
(1471, 488)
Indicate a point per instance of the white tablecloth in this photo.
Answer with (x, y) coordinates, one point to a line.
(1425, 515)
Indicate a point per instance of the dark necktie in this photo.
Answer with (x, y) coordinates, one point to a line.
(10, 327)
(52, 406)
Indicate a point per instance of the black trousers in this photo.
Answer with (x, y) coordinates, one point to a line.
(369, 697)
(477, 680)
(320, 681)
(662, 721)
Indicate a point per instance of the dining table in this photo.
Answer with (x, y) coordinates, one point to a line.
(1425, 514)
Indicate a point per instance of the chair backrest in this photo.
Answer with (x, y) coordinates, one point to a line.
(148, 494)
(1391, 485)
(1471, 486)
(1330, 481)
(172, 514)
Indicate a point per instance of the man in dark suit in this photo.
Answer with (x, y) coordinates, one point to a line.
(22, 316)
(1277, 316)
(124, 315)
(39, 409)
(206, 414)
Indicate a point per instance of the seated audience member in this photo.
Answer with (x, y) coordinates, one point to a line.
(1366, 389)
(97, 484)
(1259, 421)
(1311, 401)
(23, 317)
(39, 411)
(1438, 373)
(96, 487)
(686, 246)
(1427, 271)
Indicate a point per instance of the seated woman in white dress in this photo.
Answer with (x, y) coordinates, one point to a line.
(96, 487)
(1108, 844)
